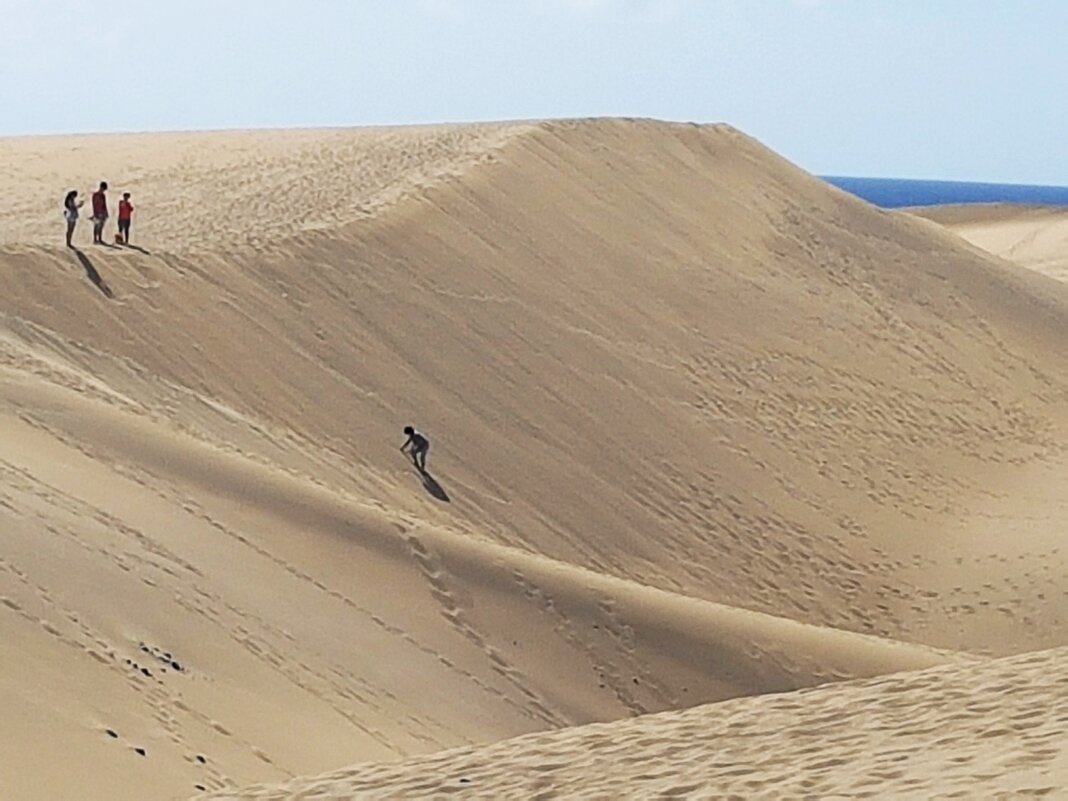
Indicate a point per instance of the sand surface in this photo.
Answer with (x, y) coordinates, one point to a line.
(230, 190)
(988, 729)
(1035, 236)
(703, 428)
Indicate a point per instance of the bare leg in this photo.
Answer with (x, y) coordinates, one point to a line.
(70, 231)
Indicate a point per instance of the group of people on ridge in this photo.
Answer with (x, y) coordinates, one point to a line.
(71, 205)
(416, 446)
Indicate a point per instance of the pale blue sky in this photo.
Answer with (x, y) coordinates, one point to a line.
(957, 89)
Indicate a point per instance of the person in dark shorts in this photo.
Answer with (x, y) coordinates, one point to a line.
(100, 213)
(71, 204)
(125, 216)
(417, 445)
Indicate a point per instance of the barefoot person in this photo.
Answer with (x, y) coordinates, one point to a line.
(419, 445)
(71, 204)
(125, 215)
(100, 213)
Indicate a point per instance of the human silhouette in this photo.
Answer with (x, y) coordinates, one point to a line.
(125, 216)
(417, 446)
(71, 204)
(100, 213)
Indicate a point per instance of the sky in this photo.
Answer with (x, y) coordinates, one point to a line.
(942, 89)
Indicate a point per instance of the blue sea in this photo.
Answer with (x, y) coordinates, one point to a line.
(892, 193)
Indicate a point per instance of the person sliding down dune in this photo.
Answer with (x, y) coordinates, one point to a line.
(419, 445)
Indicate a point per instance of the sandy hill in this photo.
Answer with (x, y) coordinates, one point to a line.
(989, 729)
(223, 190)
(702, 427)
(1035, 236)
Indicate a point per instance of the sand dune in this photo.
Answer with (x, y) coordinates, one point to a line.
(988, 729)
(236, 189)
(1034, 236)
(703, 427)
(176, 606)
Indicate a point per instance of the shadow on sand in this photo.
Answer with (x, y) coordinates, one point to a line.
(92, 274)
(138, 248)
(431, 485)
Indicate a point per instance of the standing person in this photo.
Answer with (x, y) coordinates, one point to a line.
(419, 446)
(71, 204)
(125, 214)
(100, 213)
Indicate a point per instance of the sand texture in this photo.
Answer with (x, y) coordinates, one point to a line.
(989, 729)
(703, 428)
(236, 189)
(1035, 236)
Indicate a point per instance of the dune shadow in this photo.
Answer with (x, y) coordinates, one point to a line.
(92, 273)
(431, 485)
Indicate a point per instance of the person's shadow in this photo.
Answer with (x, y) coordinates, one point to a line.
(92, 274)
(431, 485)
(138, 248)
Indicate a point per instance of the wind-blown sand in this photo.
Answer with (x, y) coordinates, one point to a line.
(703, 428)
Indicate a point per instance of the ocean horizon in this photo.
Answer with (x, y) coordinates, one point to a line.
(894, 193)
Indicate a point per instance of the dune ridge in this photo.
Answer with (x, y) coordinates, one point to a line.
(989, 728)
(222, 190)
(703, 427)
(1034, 236)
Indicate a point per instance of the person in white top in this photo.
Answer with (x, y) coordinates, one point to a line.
(71, 204)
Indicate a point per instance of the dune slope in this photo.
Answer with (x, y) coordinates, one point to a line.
(1034, 236)
(183, 599)
(982, 730)
(702, 427)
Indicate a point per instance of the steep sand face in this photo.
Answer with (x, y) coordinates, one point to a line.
(700, 424)
(991, 729)
(165, 595)
(1034, 236)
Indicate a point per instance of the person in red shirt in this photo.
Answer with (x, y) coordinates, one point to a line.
(125, 215)
(100, 213)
